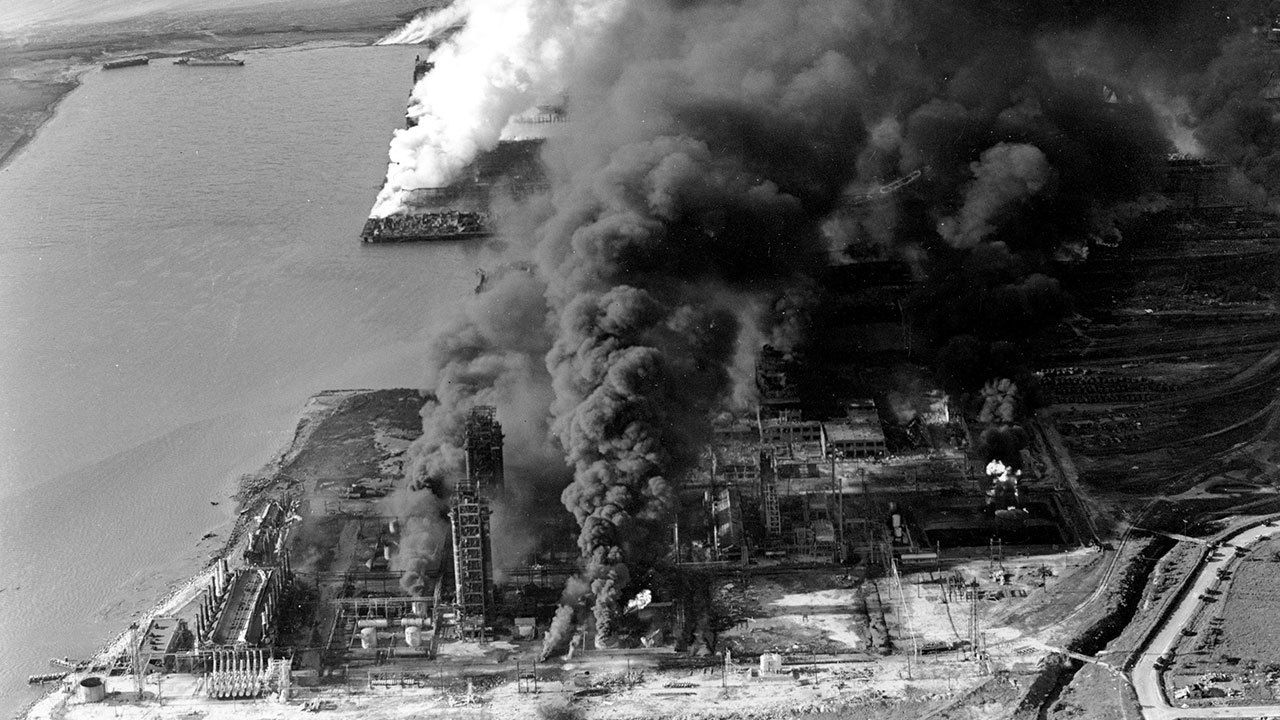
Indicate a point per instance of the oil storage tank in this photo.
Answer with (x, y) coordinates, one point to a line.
(92, 690)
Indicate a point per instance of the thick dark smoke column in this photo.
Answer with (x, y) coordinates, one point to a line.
(1233, 107)
(491, 353)
(638, 368)
(712, 143)
(712, 149)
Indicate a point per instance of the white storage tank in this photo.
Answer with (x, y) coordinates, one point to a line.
(770, 663)
(368, 638)
(92, 690)
(373, 622)
(413, 636)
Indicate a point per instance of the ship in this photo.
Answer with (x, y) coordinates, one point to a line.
(459, 210)
(439, 225)
(223, 61)
(126, 62)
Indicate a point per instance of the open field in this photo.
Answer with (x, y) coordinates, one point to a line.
(1231, 646)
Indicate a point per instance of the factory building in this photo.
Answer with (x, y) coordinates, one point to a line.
(737, 463)
(770, 508)
(939, 412)
(163, 646)
(776, 381)
(241, 607)
(736, 430)
(249, 610)
(845, 439)
(726, 513)
(784, 431)
(859, 434)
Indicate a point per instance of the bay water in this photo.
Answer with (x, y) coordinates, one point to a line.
(179, 270)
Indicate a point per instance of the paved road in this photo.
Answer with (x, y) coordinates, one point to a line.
(1146, 678)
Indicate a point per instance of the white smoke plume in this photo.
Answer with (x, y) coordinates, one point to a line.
(429, 25)
(1002, 473)
(640, 601)
(1006, 173)
(1175, 117)
(508, 55)
(1004, 483)
(1000, 400)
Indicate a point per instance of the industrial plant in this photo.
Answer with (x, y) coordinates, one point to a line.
(794, 468)
(895, 519)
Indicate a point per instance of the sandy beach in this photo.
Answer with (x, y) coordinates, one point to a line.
(40, 66)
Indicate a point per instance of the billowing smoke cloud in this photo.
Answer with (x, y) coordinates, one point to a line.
(1206, 69)
(424, 538)
(1003, 492)
(508, 55)
(490, 354)
(1003, 444)
(1006, 173)
(635, 378)
(430, 25)
(1234, 107)
(1000, 401)
(715, 146)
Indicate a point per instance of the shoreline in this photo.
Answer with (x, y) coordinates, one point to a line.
(58, 63)
(28, 131)
(252, 489)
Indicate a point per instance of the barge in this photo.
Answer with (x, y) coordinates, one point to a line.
(126, 62)
(219, 61)
(425, 227)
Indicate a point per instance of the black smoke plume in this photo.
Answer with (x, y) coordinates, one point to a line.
(490, 354)
(714, 151)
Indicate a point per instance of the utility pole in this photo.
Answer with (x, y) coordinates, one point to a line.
(974, 627)
(906, 614)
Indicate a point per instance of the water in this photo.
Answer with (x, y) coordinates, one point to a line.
(179, 271)
(18, 14)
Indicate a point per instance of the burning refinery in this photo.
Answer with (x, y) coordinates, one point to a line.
(786, 361)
